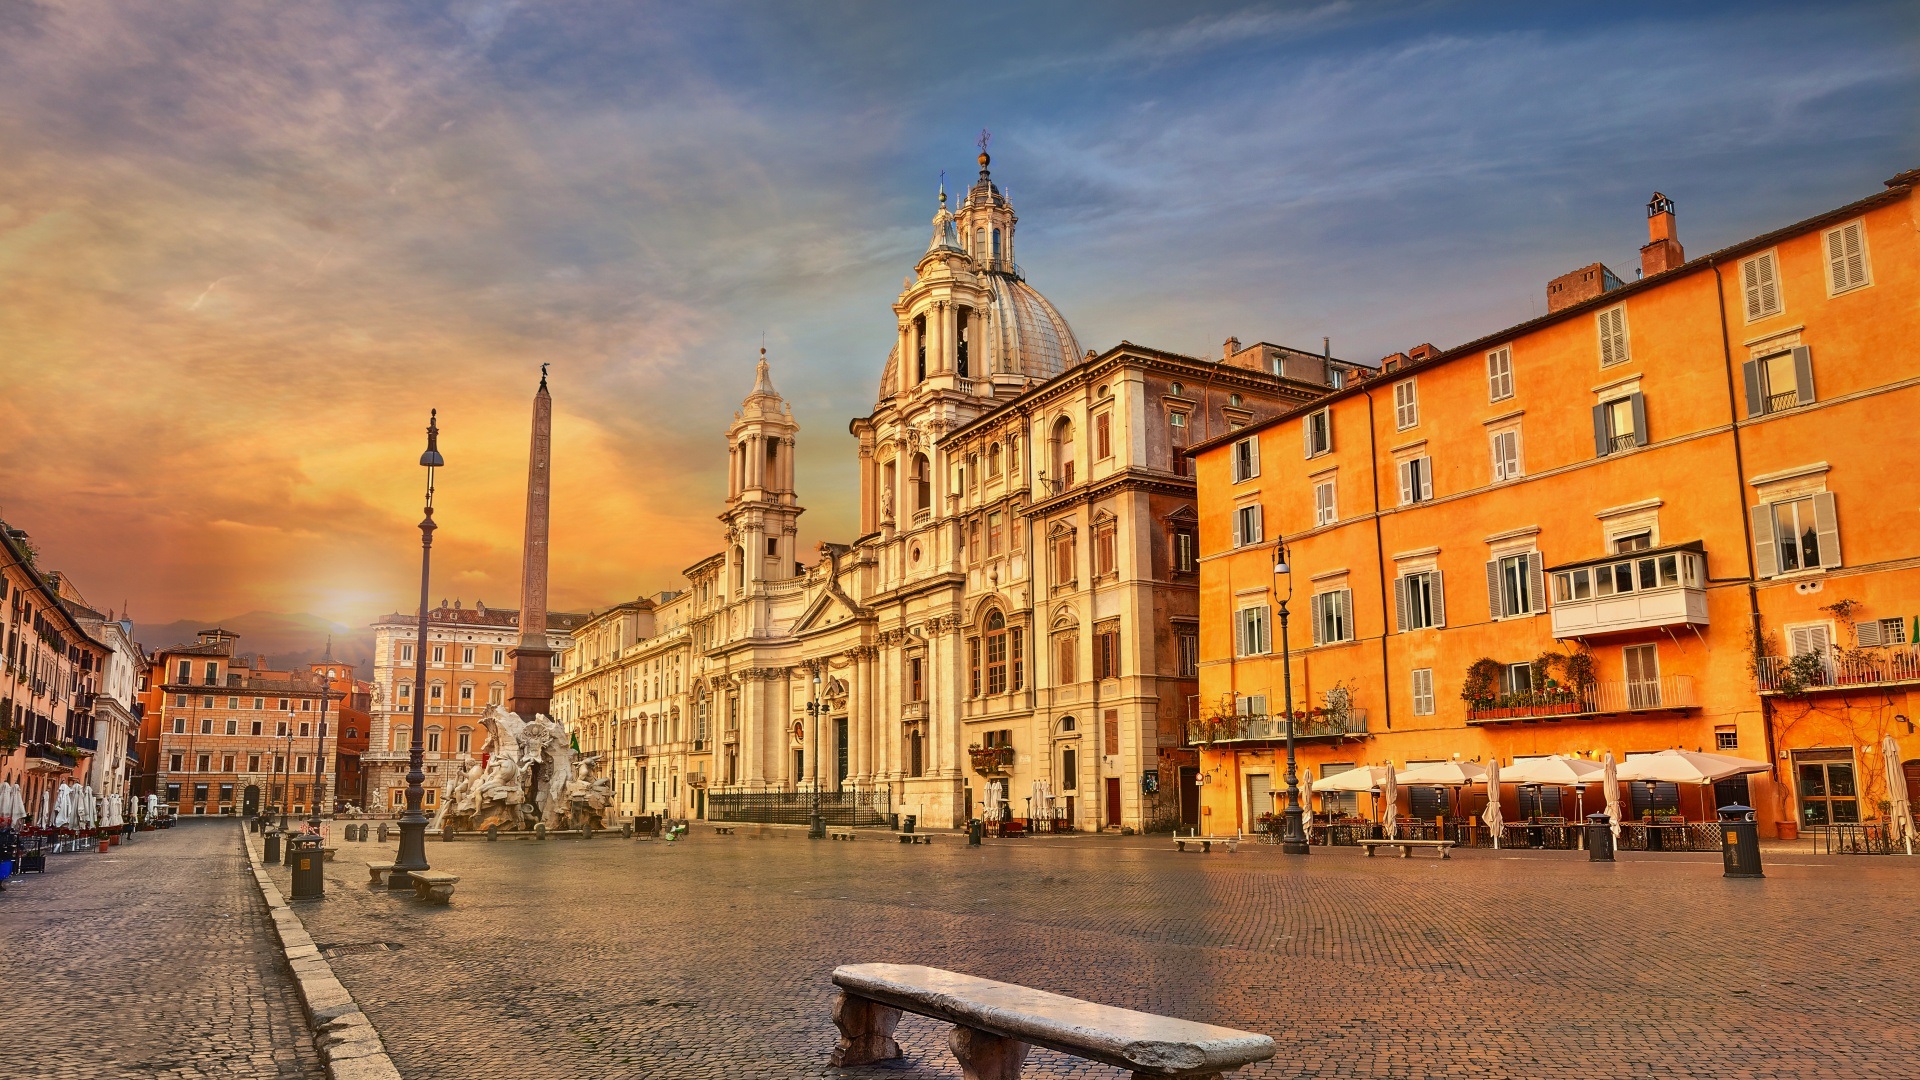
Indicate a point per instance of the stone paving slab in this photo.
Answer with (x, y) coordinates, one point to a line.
(712, 957)
(156, 959)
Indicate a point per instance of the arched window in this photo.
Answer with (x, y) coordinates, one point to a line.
(920, 349)
(996, 244)
(963, 325)
(979, 248)
(1063, 454)
(922, 484)
(739, 570)
(993, 462)
(996, 632)
(1066, 724)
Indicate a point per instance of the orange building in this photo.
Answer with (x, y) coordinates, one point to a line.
(222, 734)
(1671, 512)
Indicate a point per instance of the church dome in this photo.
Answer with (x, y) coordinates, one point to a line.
(1025, 333)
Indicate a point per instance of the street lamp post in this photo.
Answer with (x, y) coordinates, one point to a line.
(816, 825)
(1293, 838)
(320, 735)
(413, 824)
(286, 777)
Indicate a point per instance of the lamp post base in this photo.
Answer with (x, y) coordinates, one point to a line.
(1293, 841)
(816, 827)
(413, 846)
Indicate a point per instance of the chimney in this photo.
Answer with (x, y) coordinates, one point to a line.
(1585, 283)
(1662, 252)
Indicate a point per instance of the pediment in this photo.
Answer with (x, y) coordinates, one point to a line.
(830, 607)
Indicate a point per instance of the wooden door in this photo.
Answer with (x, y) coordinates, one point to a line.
(1113, 802)
(1189, 796)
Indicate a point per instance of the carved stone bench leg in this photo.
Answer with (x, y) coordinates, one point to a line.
(987, 1057)
(866, 1031)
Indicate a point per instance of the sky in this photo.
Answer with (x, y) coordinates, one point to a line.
(246, 246)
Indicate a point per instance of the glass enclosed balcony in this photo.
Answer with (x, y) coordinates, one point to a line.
(1637, 590)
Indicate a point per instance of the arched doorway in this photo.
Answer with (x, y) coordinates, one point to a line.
(250, 800)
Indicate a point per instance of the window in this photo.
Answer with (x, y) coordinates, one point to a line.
(1103, 435)
(1423, 691)
(280, 730)
(1515, 586)
(1406, 404)
(1325, 509)
(1416, 480)
(1104, 553)
(1319, 432)
(305, 730)
(1336, 377)
(1760, 282)
(1188, 641)
(466, 655)
(1184, 561)
(405, 692)
(1177, 439)
(256, 728)
(1612, 324)
(233, 703)
(1251, 633)
(213, 673)
(1063, 559)
(1333, 617)
(1246, 459)
(1828, 795)
(406, 653)
(205, 763)
(206, 725)
(499, 657)
(1516, 678)
(1106, 651)
(434, 693)
(922, 483)
(185, 673)
(1796, 534)
(173, 763)
(1246, 525)
(1642, 664)
(996, 653)
(973, 667)
(179, 725)
(226, 763)
(1066, 652)
(1847, 258)
(285, 706)
(439, 654)
(233, 727)
(1506, 455)
(259, 703)
(1631, 542)
(1420, 600)
(466, 695)
(1500, 374)
(1880, 632)
(433, 744)
(916, 678)
(253, 762)
(1110, 731)
(1780, 381)
(1620, 424)
(1069, 769)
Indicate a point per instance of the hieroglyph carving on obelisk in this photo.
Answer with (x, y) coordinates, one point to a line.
(532, 659)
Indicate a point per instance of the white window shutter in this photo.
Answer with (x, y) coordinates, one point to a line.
(1254, 443)
(1400, 603)
(1436, 588)
(1868, 634)
(1768, 284)
(1803, 374)
(1326, 430)
(1237, 538)
(1750, 287)
(1808, 640)
(1313, 616)
(1426, 478)
(1846, 258)
(1259, 522)
(1346, 614)
(1306, 436)
(1406, 482)
(1240, 632)
(1765, 545)
(1536, 583)
(1494, 607)
(1756, 393)
(1827, 526)
(1499, 462)
(1604, 319)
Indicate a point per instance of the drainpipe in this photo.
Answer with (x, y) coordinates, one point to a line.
(1746, 524)
(1379, 560)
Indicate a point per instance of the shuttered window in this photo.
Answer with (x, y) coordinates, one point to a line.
(1318, 430)
(1620, 424)
(1500, 374)
(1506, 455)
(1251, 636)
(1333, 617)
(1783, 380)
(1246, 525)
(1325, 510)
(1416, 480)
(1246, 459)
(1880, 632)
(1613, 336)
(1419, 601)
(1406, 404)
(1847, 257)
(1760, 282)
(1516, 586)
(1796, 534)
(1423, 691)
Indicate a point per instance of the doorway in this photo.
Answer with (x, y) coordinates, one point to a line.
(839, 752)
(1113, 802)
(1259, 799)
(1190, 795)
(250, 800)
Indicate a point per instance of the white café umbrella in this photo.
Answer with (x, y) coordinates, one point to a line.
(63, 807)
(1452, 774)
(1560, 771)
(1901, 816)
(1306, 798)
(46, 808)
(993, 800)
(153, 807)
(1610, 786)
(1688, 767)
(1390, 795)
(1491, 815)
(1364, 778)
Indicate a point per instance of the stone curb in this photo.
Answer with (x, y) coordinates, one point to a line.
(347, 1040)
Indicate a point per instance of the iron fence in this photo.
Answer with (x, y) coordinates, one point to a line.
(1861, 839)
(848, 809)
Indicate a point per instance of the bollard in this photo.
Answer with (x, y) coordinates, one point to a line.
(446, 833)
(273, 848)
(383, 832)
(907, 823)
(493, 833)
(1739, 841)
(975, 830)
(540, 831)
(1599, 838)
(626, 830)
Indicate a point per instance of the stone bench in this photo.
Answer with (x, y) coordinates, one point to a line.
(996, 1024)
(915, 837)
(839, 834)
(433, 885)
(1205, 843)
(1406, 846)
(378, 872)
(723, 830)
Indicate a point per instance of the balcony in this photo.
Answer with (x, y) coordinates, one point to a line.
(992, 760)
(1307, 727)
(1669, 693)
(1858, 669)
(1644, 590)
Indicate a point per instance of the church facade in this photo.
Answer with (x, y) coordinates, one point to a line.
(1021, 604)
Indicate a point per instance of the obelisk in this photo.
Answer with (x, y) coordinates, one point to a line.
(532, 659)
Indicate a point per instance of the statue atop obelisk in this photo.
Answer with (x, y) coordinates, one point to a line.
(532, 659)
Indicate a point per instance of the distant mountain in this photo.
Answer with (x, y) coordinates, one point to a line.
(286, 641)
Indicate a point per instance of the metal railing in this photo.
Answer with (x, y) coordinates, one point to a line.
(1262, 728)
(1594, 699)
(1873, 666)
(853, 809)
(1779, 402)
(1866, 838)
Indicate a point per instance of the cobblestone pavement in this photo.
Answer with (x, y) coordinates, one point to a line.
(156, 959)
(711, 957)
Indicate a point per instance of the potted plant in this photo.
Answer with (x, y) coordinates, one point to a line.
(1479, 688)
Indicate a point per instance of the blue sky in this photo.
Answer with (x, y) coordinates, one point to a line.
(244, 247)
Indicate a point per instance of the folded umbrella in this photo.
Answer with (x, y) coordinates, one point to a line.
(1491, 815)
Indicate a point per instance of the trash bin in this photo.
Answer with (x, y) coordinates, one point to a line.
(1740, 841)
(907, 823)
(975, 830)
(253, 824)
(273, 847)
(306, 858)
(1599, 838)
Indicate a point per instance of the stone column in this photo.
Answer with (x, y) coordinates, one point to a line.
(753, 735)
(904, 373)
(949, 337)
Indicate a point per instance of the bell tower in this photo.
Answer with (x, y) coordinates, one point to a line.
(762, 514)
